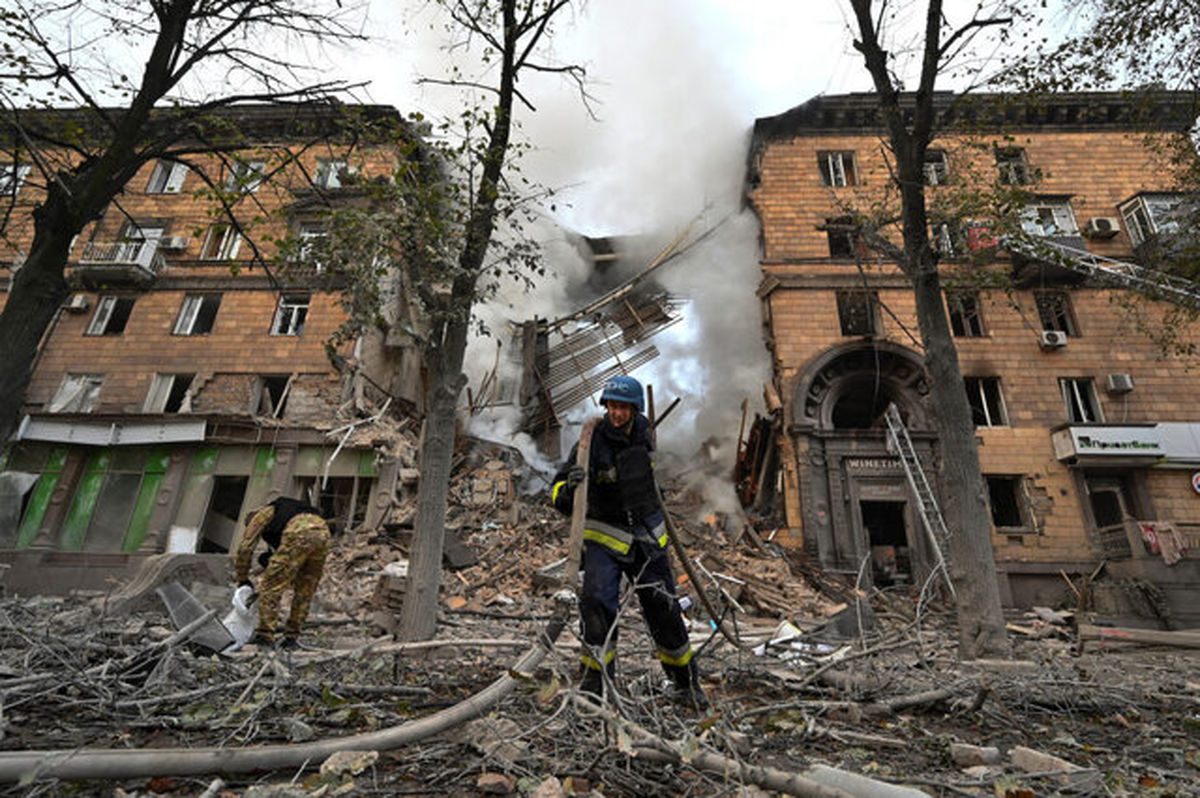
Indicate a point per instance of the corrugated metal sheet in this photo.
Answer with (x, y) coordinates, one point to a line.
(110, 433)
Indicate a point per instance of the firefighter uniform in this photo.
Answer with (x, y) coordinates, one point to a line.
(625, 534)
(297, 541)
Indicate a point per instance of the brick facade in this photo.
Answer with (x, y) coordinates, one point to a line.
(829, 505)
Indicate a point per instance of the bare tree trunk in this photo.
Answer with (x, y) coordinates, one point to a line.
(971, 558)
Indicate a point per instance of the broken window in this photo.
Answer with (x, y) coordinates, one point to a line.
(1150, 214)
(290, 314)
(170, 393)
(312, 236)
(144, 231)
(197, 315)
(77, 394)
(1083, 405)
(329, 172)
(987, 404)
(342, 500)
(111, 316)
(936, 168)
(221, 242)
(842, 242)
(167, 178)
(1049, 216)
(966, 319)
(1112, 503)
(856, 312)
(1006, 495)
(1013, 166)
(12, 177)
(273, 395)
(949, 238)
(1054, 310)
(246, 176)
(837, 168)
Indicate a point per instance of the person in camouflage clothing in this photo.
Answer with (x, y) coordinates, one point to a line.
(297, 541)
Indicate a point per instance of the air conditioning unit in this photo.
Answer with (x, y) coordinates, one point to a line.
(1053, 339)
(1119, 383)
(174, 242)
(1102, 227)
(78, 303)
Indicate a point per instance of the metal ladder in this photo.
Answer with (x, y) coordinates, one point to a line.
(1152, 282)
(927, 506)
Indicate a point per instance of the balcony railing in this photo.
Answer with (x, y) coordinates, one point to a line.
(131, 259)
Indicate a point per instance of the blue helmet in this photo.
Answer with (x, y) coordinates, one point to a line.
(624, 389)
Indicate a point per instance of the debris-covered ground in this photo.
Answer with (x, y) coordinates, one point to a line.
(871, 687)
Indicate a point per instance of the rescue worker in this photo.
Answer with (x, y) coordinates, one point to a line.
(297, 541)
(625, 534)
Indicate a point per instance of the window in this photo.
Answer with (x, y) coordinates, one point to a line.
(1112, 503)
(167, 178)
(170, 393)
(273, 395)
(112, 314)
(1013, 166)
(1054, 310)
(246, 176)
(12, 177)
(841, 237)
(949, 238)
(1149, 214)
(936, 168)
(1079, 394)
(311, 235)
(856, 312)
(837, 168)
(290, 315)
(221, 242)
(1006, 494)
(966, 320)
(987, 405)
(144, 231)
(197, 315)
(77, 394)
(1048, 216)
(329, 172)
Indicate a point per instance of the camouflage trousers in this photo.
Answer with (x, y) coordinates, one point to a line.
(297, 563)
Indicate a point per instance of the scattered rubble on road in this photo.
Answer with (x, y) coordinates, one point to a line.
(832, 688)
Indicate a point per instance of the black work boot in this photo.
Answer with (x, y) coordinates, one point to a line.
(687, 691)
(592, 683)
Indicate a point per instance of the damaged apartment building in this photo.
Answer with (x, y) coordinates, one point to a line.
(186, 381)
(1088, 432)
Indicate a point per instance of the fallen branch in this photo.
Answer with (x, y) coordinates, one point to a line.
(85, 763)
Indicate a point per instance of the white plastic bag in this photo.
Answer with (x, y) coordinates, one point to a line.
(243, 618)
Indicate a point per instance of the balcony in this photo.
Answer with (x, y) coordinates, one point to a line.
(120, 261)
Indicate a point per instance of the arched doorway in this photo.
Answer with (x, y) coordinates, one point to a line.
(857, 510)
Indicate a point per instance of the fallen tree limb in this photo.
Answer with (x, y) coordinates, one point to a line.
(1148, 637)
(85, 763)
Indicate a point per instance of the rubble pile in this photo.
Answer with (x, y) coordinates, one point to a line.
(815, 685)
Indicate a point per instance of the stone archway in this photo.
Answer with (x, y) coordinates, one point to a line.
(855, 499)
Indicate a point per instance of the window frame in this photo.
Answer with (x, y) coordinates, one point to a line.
(245, 177)
(1056, 211)
(1013, 166)
(90, 384)
(164, 388)
(106, 307)
(167, 178)
(291, 315)
(844, 310)
(936, 170)
(986, 398)
(191, 310)
(1140, 215)
(227, 238)
(837, 165)
(965, 322)
(328, 172)
(13, 177)
(1056, 320)
(1081, 399)
(842, 243)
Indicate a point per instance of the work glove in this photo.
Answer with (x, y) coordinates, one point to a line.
(575, 475)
